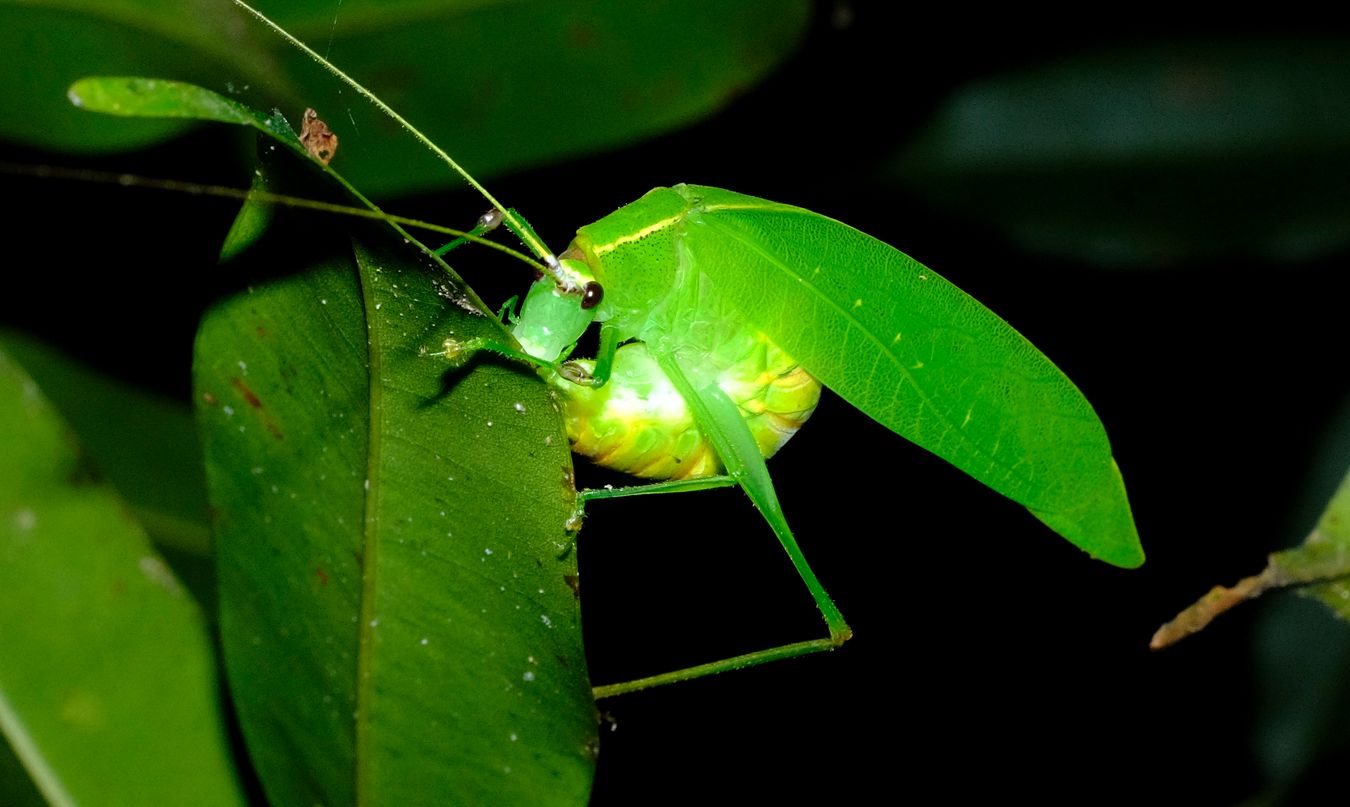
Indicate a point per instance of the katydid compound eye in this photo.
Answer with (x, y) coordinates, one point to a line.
(592, 295)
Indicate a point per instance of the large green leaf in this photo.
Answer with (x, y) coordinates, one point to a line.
(508, 85)
(47, 44)
(107, 681)
(502, 85)
(397, 577)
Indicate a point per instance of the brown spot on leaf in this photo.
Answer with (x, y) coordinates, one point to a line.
(581, 36)
(256, 402)
(573, 582)
(322, 575)
(209, 399)
(248, 394)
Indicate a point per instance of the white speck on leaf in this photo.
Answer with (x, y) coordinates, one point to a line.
(158, 572)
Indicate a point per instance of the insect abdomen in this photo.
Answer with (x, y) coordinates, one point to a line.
(639, 424)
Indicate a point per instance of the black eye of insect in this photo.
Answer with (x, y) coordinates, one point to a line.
(592, 295)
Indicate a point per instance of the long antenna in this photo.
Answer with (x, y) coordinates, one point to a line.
(253, 195)
(513, 221)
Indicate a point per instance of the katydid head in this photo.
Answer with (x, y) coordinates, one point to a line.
(552, 319)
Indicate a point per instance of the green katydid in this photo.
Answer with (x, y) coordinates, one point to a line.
(711, 303)
(696, 371)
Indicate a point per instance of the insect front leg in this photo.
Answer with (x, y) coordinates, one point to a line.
(598, 374)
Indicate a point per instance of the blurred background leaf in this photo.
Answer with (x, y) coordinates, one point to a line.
(1153, 154)
(502, 85)
(107, 680)
(144, 444)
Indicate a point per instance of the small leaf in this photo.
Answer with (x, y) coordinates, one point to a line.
(135, 97)
(1321, 566)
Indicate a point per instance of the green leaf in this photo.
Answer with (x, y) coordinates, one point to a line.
(1153, 155)
(397, 577)
(105, 665)
(145, 445)
(502, 85)
(135, 97)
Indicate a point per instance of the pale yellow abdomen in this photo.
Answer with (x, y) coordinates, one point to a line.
(639, 424)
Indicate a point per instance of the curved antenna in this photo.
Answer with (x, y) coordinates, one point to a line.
(513, 221)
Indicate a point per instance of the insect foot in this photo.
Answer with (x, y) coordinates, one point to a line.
(577, 374)
(458, 352)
